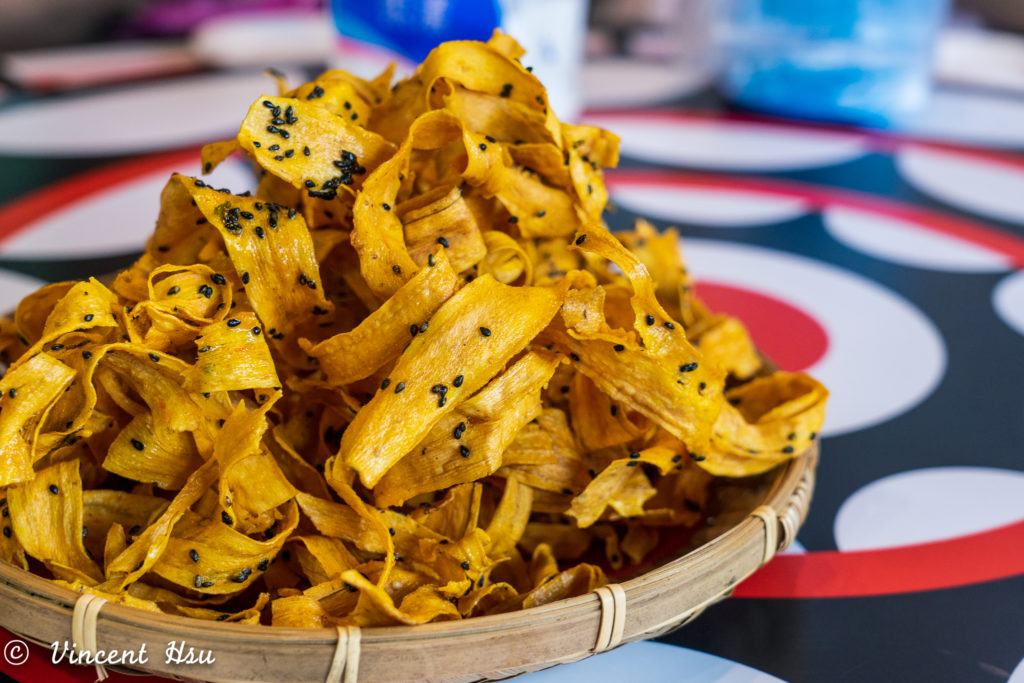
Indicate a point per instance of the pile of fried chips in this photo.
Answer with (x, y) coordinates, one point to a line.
(411, 378)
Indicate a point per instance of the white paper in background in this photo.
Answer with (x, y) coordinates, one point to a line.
(907, 243)
(652, 662)
(14, 287)
(728, 145)
(121, 217)
(982, 186)
(135, 118)
(1008, 300)
(930, 504)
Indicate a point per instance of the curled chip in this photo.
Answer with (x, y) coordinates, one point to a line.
(412, 377)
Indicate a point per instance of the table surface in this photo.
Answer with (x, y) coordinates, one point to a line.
(890, 265)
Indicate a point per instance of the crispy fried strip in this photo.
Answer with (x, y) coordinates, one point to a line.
(510, 518)
(46, 515)
(472, 335)
(233, 355)
(271, 251)
(27, 391)
(228, 562)
(485, 425)
(299, 124)
(622, 485)
(774, 419)
(382, 335)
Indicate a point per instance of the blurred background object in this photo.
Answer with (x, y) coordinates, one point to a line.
(647, 51)
(860, 61)
(864, 61)
(373, 34)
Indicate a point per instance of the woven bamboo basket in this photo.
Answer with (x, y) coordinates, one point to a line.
(759, 518)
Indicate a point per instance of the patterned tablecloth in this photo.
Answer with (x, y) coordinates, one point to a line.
(890, 266)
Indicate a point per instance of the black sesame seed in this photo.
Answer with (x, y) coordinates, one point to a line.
(513, 219)
(482, 146)
(7, 532)
(12, 393)
(242, 576)
(234, 322)
(443, 241)
(54, 490)
(634, 455)
(463, 451)
(396, 269)
(574, 356)
(788, 449)
(399, 387)
(619, 347)
(155, 358)
(457, 382)
(465, 565)
(431, 261)
(138, 445)
(263, 564)
(541, 213)
(198, 582)
(385, 383)
(204, 349)
(632, 463)
(305, 150)
(86, 355)
(218, 279)
(88, 318)
(614, 410)
(309, 183)
(581, 239)
(226, 518)
(386, 206)
(677, 457)
(206, 290)
(485, 332)
(649, 320)
(689, 367)
(259, 232)
(193, 555)
(245, 278)
(256, 331)
(670, 326)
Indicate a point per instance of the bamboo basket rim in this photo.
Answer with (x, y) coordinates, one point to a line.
(742, 547)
